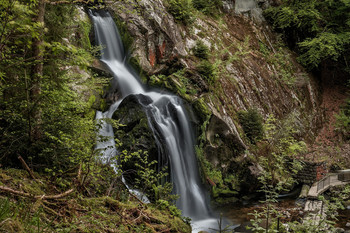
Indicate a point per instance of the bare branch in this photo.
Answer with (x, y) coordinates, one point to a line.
(68, 2)
(25, 166)
(43, 197)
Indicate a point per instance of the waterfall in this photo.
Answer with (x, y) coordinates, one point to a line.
(167, 119)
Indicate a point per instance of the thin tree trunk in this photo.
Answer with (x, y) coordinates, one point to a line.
(37, 73)
(28, 106)
(267, 218)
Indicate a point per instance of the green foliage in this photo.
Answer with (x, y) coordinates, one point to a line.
(145, 175)
(214, 174)
(201, 50)
(208, 7)
(65, 121)
(343, 121)
(325, 45)
(252, 124)
(22, 217)
(201, 107)
(159, 81)
(207, 71)
(280, 135)
(186, 88)
(280, 59)
(201, 4)
(181, 10)
(179, 82)
(207, 168)
(275, 155)
(148, 177)
(163, 191)
(4, 209)
(226, 186)
(319, 29)
(163, 205)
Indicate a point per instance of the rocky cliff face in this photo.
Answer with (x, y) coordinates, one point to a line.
(252, 70)
(157, 38)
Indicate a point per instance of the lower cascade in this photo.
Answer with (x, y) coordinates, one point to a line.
(166, 118)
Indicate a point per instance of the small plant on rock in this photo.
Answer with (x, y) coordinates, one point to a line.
(208, 7)
(343, 121)
(201, 50)
(252, 124)
(207, 71)
(181, 10)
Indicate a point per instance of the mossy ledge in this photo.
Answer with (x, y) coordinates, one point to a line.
(91, 207)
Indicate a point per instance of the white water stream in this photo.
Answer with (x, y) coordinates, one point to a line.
(167, 119)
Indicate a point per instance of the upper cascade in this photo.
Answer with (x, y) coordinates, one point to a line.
(107, 34)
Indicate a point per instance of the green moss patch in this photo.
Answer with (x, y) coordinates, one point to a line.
(78, 212)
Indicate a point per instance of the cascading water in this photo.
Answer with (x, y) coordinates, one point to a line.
(167, 120)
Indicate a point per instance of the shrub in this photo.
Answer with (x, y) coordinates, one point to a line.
(201, 4)
(208, 7)
(252, 124)
(201, 50)
(343, 121)
(181, 10)
(206, 70)
(318, 36)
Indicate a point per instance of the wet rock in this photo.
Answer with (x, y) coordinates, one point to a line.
(257, 15)
(100, 68)
(243, 6)
(134, 133)
(251, 8)
(224, 150)
(304, 191)
(157, 38)
(223, 145)
(228, 5)
(348, 224)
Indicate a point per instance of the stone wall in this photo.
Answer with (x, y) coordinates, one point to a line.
(312, 172)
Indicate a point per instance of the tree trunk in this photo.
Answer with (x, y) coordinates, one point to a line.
(37, 73)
